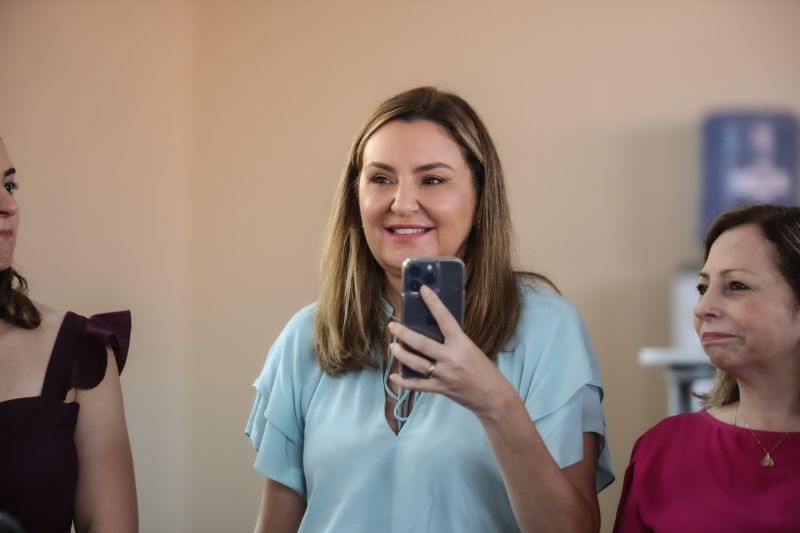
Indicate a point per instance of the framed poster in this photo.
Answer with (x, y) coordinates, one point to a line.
(748, 157)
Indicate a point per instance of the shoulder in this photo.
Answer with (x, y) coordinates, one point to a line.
(677, 423)
(297, 336)
(664, 435)
(541, 301)
(36, 343)
(52, 320)
(293, 350)
(547, 314)
(89, 340)
(302, 322)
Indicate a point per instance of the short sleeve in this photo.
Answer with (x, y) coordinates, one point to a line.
(283, 391)
(91, 357)
(555, 370)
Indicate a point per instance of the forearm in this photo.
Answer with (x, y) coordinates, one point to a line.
(281, 509)
(542, 497)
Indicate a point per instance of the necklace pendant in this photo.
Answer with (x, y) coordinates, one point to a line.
(767, 461)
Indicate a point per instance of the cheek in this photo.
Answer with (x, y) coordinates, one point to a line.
(456, 211)
(370, 205)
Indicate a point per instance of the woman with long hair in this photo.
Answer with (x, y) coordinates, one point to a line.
(504, 431)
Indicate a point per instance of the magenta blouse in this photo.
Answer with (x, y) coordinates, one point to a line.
(692, 472)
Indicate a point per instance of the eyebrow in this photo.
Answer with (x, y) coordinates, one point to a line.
(10, 172)
(726, 272)
(421, 168)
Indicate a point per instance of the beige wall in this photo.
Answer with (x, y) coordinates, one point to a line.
(178, 158)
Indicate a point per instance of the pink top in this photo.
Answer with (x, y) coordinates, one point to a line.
(692, 472)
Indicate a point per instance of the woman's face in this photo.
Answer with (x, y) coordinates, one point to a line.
(9, 216)
(415, 194)
(746, 317)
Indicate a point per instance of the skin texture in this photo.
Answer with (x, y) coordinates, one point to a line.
(748, 322)
(415, 176)
(106, 493)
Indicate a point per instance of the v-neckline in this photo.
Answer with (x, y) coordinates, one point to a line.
(386, 412)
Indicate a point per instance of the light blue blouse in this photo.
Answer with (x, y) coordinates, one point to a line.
(327, 437)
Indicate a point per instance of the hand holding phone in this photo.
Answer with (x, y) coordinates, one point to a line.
(443, 275)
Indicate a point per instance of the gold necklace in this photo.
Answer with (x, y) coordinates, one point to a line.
(767, 461)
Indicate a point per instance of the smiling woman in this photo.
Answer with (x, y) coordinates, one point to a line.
(416, 196)
(506, 435)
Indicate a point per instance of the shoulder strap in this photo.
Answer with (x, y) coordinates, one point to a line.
(57, 379)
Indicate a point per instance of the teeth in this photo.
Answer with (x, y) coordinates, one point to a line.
(408, 231)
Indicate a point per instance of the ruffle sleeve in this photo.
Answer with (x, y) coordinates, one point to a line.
(554, 368)
(106, 329)
(283, 392)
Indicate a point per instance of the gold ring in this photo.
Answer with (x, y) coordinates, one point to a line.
(429, 373)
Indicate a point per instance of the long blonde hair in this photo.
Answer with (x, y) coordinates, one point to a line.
(780, 225)
(350, 316)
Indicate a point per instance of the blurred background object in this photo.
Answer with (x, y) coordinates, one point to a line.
(749, 156)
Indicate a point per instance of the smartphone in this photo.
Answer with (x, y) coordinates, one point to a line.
(443, 275)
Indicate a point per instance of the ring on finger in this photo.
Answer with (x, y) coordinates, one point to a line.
(429, 373)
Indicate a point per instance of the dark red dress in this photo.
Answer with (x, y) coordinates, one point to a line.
(38, 460)
(694, 473)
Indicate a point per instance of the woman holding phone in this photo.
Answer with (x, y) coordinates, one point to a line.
(504, 431)
(64, 451)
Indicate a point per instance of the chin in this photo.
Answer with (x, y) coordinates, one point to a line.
(722, 360)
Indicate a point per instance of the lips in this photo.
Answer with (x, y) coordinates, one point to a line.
(408, 229)
(715, 336)
(5, 233)
(407, 233)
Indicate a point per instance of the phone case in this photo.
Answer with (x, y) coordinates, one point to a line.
(445, 275)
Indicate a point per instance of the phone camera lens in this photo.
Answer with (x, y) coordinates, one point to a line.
(429, 278)
(415, 271)
(414, 285)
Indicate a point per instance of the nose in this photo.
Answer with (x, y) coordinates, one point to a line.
(707, 307)
(405, 200)
(8, 205)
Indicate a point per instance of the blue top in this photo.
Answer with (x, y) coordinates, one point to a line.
(328, 439)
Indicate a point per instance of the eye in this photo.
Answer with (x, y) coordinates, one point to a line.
(701, 288)
(432, 180)
(378, 179)
(737, 286)
(10, 186)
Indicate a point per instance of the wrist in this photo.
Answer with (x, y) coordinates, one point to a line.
(498, 403)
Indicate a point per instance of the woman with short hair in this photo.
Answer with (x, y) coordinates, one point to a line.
(734, 465)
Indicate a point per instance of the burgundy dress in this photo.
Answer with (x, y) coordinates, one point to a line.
(693, 472)
(38, 459)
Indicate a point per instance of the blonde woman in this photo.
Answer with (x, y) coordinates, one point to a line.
(505, 434)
